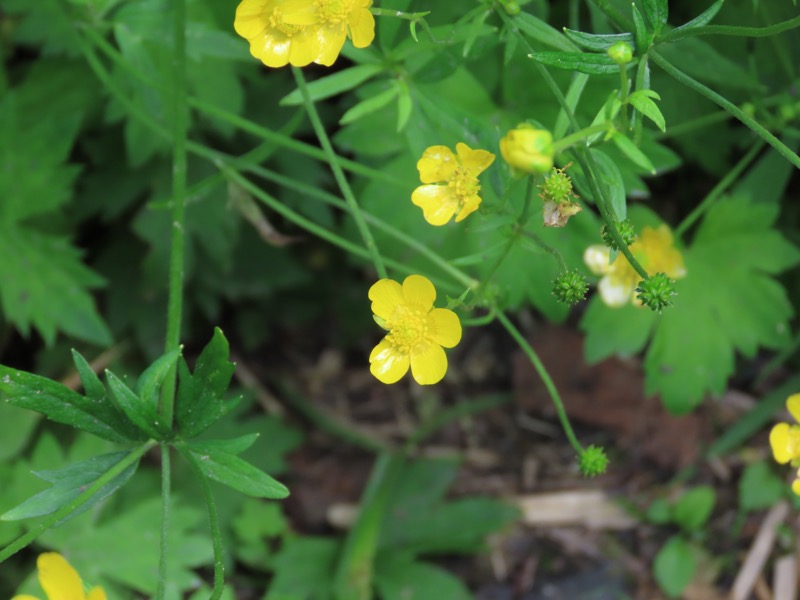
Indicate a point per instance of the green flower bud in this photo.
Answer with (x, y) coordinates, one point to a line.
(512, 8)
(626, 231)
(570, 287)
(593, 461)
(527, 149)
(656, 292)
(621, 53)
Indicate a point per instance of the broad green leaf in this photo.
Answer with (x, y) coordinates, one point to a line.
(766, 181)
(331, 85)
(610, 180)
(693, 508)
(657, 13)
(370, 105)
(674, 566)
(591, 64)
(405, 579)
(760, 487)
(631, 150)
(641, 34)
(702, 19)
(69, 483)
(230, 470)
(642, 101)
(598, 42)
(46, 24)
(200, 401)
(304, 569)
(659, 512)
(141, 414)
(610, 331)
(538, 30)
(55, 401)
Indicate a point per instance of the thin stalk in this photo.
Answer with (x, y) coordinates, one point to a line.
(729, 106)
(692, 125)
(177, 233)
(166, 504)
(547, 248)
(388, 12)
(719, 189)
(623, 95)
(573, 138)
(63, 512)
(213, 523)
(546, 379)
(338, 174)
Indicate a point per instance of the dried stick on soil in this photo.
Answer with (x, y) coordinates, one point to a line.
(784, 580)
(759, 552)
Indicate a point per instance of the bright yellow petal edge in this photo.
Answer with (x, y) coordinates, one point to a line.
(779, 442)
(60, 581)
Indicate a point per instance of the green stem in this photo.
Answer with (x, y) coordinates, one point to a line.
(177, 225)
(63, 512)
(546, 379)
(642, 83)
(213, 523)
(623, 96)
(338, 174)
(692, 125)
(729, 106)
(166, 502)
(680, 34)
(573, 138)
(719, 189)
(388, 12)
(547, 248)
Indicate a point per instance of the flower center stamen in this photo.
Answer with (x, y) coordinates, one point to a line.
(464, 184)
(276, 21)
(334, 11)
(408, 327)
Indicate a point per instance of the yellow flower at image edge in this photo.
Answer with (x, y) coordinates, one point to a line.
(299, 32)
(60, 581)
(784, 439)
(452, 182)
(417, 331)
(654, 251)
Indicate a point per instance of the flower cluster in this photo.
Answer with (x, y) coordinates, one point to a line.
(60, 581)
(299, 32)
(654, 250)
(452, 186)
(784, 439)
(417, 331)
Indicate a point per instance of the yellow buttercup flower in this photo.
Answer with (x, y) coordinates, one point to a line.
(417, 331)
(60, 581)
(452, 182)
(654, 251)
(784, 439)
(299, 32)
(527, 149)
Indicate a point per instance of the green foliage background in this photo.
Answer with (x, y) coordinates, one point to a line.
(86, 106)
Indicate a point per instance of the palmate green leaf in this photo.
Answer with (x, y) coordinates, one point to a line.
(201, 396)
(760, 487)
(69, 483)
(228, 469)
(57, 402)
(304, 569)
(591, 64)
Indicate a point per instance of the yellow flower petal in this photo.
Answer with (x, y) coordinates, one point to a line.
(779, 442)
(615, 293)
(96, 593)
(444, 327)
(386, 295)
(59, 580)
(304, 48)
(596, 258)
(437, 202)
(419, 292)
(299, 12)
(428, 364)
(387, 363)
(362, 27)
(438, 164)
(331, 40)
(25, 597)
(470, 205)
(474, 160)
(250, 19)
(796, 485)
(793, 405)
(272, 48)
